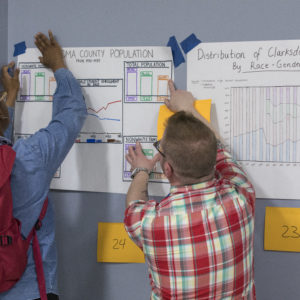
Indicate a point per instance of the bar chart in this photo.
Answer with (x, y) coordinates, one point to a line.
(36, 83)
(148, 150)
(147, 81)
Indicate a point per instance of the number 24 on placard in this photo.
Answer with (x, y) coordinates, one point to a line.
(118, 244)
(290, 232)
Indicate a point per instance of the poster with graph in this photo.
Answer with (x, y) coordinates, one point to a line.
(123, 90)
(255, 89)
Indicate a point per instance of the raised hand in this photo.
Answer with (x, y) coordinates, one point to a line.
(52, 55)
(179, 99)
(10, 83)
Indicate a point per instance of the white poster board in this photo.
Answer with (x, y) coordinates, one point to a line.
(123, 89)
(255, 91)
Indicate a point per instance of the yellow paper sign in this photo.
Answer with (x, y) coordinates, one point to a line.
(114, 245)
(282, 229)
(202, 106)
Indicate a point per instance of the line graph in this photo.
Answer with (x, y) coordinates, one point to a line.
(104, 107)
(104, 111)
(95, 112)
(265, 123)
(103, 119)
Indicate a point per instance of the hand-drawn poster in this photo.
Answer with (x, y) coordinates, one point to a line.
(123, 88)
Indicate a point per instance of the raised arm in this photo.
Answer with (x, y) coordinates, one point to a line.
(138, 189)
(69, 110)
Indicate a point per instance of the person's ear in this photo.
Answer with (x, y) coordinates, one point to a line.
(168, 169)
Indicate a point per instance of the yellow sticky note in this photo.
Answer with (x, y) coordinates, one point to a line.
(114, 245)
(282, 229)
(202, 106)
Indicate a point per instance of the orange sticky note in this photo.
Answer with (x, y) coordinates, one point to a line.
(114, 245)
(202, 106)
(282, 229)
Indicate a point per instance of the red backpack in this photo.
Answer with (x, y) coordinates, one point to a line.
(13, 248)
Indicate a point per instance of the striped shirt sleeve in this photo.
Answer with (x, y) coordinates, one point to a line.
(229, 171)
(134, 215)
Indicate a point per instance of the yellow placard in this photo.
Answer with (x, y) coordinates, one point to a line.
(282, 229)
(114, 245)
(202, 106)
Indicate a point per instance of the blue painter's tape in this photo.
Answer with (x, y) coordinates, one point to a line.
(20, 48)
(189, 43)
(176, 52)
(10, 72)
(91, 141)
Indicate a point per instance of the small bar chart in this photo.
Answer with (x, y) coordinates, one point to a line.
(36, 83)
(265, 124)
(148, 150)
(147, 81)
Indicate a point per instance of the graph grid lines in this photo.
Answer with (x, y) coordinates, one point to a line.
(265, 123)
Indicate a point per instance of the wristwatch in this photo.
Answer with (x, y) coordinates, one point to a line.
(137, 170)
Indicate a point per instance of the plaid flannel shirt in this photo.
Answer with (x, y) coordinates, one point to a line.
(198, 241)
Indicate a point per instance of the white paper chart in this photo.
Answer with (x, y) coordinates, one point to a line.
(123, 89)
(255, 89)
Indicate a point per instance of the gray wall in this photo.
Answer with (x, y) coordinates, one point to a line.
(3, 32)
(147, 23)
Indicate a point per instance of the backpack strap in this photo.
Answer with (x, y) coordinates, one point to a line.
(37, 252)
(7, 158)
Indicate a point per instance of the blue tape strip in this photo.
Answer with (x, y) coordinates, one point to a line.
(176, 52)
(20, 48)
(189, 43)
(10, 72)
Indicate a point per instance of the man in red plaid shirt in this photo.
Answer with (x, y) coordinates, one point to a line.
(198, 241)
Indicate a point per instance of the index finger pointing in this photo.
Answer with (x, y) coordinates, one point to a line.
(171, 86)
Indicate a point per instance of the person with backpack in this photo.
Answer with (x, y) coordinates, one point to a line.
(26, 170)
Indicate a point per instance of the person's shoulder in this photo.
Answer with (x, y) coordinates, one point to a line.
(27, 149)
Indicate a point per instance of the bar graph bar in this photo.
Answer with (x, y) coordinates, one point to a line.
(265, 123)
(146, 78)
(25, 84)
(162, 87)
(131, 85)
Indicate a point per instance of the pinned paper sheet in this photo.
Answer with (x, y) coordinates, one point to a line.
(114, 245)
(202, 106)
(282, 229)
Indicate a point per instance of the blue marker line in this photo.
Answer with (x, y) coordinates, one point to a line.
(109, 119)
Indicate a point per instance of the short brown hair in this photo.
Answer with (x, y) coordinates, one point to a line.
(190, 145)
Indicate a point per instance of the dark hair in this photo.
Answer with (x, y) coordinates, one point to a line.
(190, 145)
